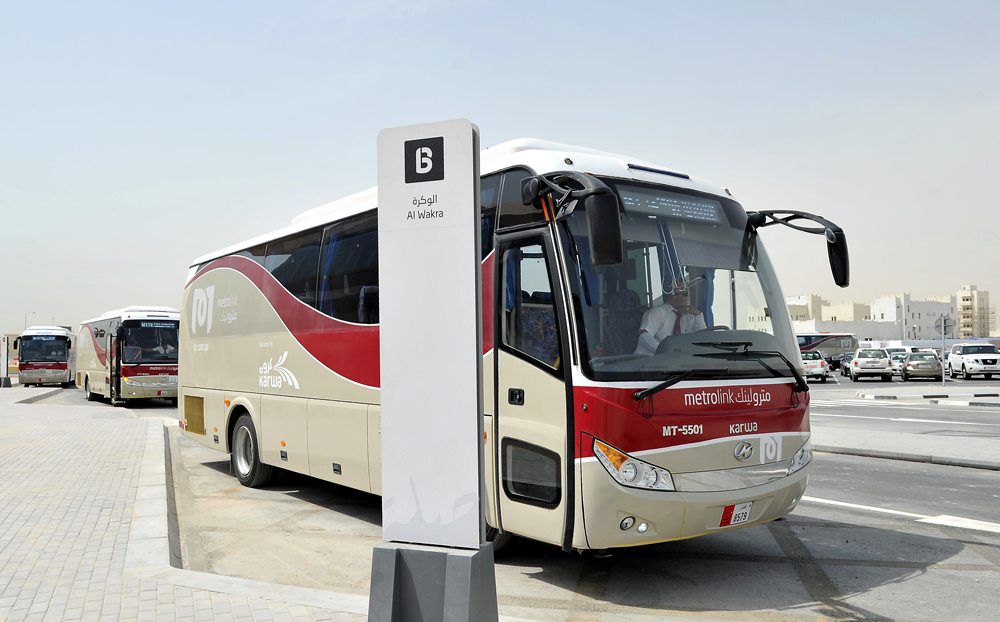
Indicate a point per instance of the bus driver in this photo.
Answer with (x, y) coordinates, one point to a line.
(675, 316)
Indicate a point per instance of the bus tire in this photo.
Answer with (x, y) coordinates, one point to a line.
(91, 396)
(498, 539)
(245, 455)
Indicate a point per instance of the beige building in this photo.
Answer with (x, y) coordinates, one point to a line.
(808, 307)
(976, 317)
(847, 312)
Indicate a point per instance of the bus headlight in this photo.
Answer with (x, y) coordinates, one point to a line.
(629, 471)
(801, 458)
(130, 382)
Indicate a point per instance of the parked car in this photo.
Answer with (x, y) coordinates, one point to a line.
(896, 360)
(845, 365)
(815, 365)
(871, 362)
(971, 359)
(921, 365)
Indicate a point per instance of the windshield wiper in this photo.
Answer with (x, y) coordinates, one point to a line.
(800, 382)
(676, 377)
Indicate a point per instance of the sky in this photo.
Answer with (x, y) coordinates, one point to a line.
(135, 137)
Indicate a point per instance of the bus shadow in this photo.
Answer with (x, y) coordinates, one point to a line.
(792, 565)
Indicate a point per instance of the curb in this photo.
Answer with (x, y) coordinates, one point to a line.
(989, 465)
(39, 396)
(961, 403)
(870, 396)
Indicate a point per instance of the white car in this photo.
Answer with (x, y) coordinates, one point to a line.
(815, 366)
(971, 359)
(871, 362)
(897, 360)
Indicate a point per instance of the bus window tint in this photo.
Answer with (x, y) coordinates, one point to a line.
(529, 317)
(513, 211)
(43, 349)
(256, 254)
(293, 262)
(148, 341)
(348, 288)
(489, 196)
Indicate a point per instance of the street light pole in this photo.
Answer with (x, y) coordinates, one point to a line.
(26, 319)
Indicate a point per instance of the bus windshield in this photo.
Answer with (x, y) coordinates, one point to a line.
(696, 291)
(149, 342)
(43, 349)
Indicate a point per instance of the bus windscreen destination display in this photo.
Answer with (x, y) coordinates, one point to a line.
(671, 204)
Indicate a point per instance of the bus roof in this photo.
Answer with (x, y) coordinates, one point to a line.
(46, 330)
(139, 313)
(541, 156)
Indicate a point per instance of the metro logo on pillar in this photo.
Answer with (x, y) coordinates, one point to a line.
(424, 160)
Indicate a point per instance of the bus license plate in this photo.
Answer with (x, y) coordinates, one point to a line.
(736, 514)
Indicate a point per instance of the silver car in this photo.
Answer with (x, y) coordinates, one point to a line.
(921, 365)
(871, 362)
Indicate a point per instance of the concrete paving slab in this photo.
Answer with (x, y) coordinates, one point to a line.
(982, 453)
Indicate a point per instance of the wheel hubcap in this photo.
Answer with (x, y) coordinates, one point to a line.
(243, 450)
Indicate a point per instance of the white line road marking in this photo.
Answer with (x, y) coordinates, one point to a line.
(905, 419)
(942, 519)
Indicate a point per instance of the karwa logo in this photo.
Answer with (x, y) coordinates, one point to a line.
(424, 160)
(275, 376)
(201, 309)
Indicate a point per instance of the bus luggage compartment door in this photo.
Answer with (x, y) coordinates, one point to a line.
(530, 425)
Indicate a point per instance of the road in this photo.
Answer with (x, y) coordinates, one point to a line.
(875, 561)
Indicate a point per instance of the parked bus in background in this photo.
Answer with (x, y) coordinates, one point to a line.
(129, 354)
(828, 343)
(642, 378)
(45, 356)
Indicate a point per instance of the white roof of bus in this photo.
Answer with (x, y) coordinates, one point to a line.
(541, 156)
(139, 313)
(46, 330)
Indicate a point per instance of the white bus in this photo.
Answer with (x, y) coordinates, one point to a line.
(604, 427)
(129, 354)
(45, 356)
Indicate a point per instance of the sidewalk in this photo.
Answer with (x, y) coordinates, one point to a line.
(83, 528)
(977, 453)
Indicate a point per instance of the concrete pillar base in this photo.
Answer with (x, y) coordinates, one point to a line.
(418, 583)
(5, 383)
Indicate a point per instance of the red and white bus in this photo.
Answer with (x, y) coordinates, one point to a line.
(45, 356)
(653, 399)
(129, 354)
(828, 343)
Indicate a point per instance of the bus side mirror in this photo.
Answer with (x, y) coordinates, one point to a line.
(16, 340)
(605, 229)
(840, 261)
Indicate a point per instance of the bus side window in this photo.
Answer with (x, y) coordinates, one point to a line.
(513, 211)
(256, 254)
(348, 270)
(489, 197)
(292, 261)
(529, 317)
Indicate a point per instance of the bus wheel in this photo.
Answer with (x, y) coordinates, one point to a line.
(245, 457)
(91, 396)
(498, 539)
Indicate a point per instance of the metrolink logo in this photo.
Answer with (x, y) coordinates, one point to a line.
(275, 376)
(201, 309)
(727, 396)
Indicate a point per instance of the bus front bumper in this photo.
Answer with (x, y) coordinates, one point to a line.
(661, 516)
(137, 390)
(44, 376)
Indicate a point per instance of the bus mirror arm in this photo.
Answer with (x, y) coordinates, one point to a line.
(599, 202)
(836, 240)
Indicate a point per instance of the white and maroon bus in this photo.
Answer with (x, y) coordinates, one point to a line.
(129, 354)
(45, 356)
(643, 381)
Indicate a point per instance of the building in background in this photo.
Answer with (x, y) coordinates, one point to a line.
(806, 307)
(976, 318)
(847, 312)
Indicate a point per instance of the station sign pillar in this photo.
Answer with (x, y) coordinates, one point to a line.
(436, 564)
(4, 354)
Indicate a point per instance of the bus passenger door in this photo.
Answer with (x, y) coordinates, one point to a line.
(531, 432)
(112, 379)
